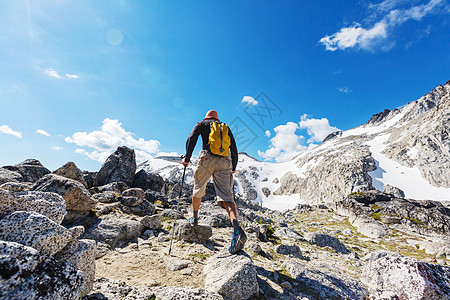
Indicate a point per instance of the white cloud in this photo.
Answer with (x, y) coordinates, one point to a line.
(52, 73)
(7, 130)
(355, 35)
(249, 100)
(268, 133)
(285, 144)
(72, 76)
(57, 148)
(318, 129)
(43, 132)
(345, 90)
(111, 136)
(377, 35)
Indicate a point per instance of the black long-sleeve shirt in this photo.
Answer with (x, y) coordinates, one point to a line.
(203, 128)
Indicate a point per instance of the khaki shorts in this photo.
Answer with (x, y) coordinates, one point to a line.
(220, 169)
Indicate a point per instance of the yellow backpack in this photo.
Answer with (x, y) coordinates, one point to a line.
(219, 140)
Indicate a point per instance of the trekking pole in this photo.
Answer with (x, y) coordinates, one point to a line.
(178, 207)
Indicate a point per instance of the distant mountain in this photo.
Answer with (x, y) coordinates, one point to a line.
(405, 149)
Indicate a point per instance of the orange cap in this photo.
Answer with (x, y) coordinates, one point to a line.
(212, 114)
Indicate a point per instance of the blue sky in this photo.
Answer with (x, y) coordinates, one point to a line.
(79, 78)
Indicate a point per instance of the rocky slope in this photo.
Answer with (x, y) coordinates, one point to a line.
(367, 245)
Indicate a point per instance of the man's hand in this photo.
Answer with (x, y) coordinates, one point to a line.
(233, 172)
(184, 162)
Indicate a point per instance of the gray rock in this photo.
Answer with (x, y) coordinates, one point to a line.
(134, 192)
(255, 247)
(266, 191)
(324, 240)
(76, 195)
(119, 166)
(31, 170)
(76, 231)
(215, 220)
(405, 277)
(291, 250)
(275, 180)
(27, 274)
(172, 213)
(50, 205)
(319, 284)
(117, 187)
(152, 222)
(106, 197)
(394, 191)
(70, 170)
(130, 201)
(187, 232)
(81, 253)
(89, 178)
(114, 231)
(16, 186)
(177, 264)
(148, 181)
(9, 176)
(34, 230)
(231, 275)
(288, 232)
(105, 288)
(144, 208)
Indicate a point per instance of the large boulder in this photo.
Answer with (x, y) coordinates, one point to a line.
(81, 253)
(34, 230)
(9, 176)
(105, 288)
(70, 170)
(31, 170)
(119, 166)
(152, 222)
(76, 195)
(89, 178)
(114, 230)
(148, 181)
(50, 205)
(14, 186)
(185, 231)
(27, 274)
(399, 277)
(231, 275)
(324, 240)
(320, 284)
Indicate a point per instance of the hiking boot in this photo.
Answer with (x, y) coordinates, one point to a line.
(193, 221)
(238, 240)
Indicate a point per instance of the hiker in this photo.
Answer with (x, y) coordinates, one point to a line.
(218, 158)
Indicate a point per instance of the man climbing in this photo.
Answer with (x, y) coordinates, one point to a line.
(218, 158)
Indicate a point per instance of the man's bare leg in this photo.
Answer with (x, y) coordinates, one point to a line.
(230, 207)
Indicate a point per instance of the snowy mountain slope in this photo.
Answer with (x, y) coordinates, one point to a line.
(408, 148)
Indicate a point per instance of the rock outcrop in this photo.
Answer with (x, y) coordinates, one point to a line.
(391, 275)
(148, 181)
(232, 276)
(185, 231)
(34, 230)
(30, 170)
(9, 176)
(50, 205)
(76, 195)
(70, 170)
(119, 166)
(114, 230)
(26, 273)
(325, 285)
